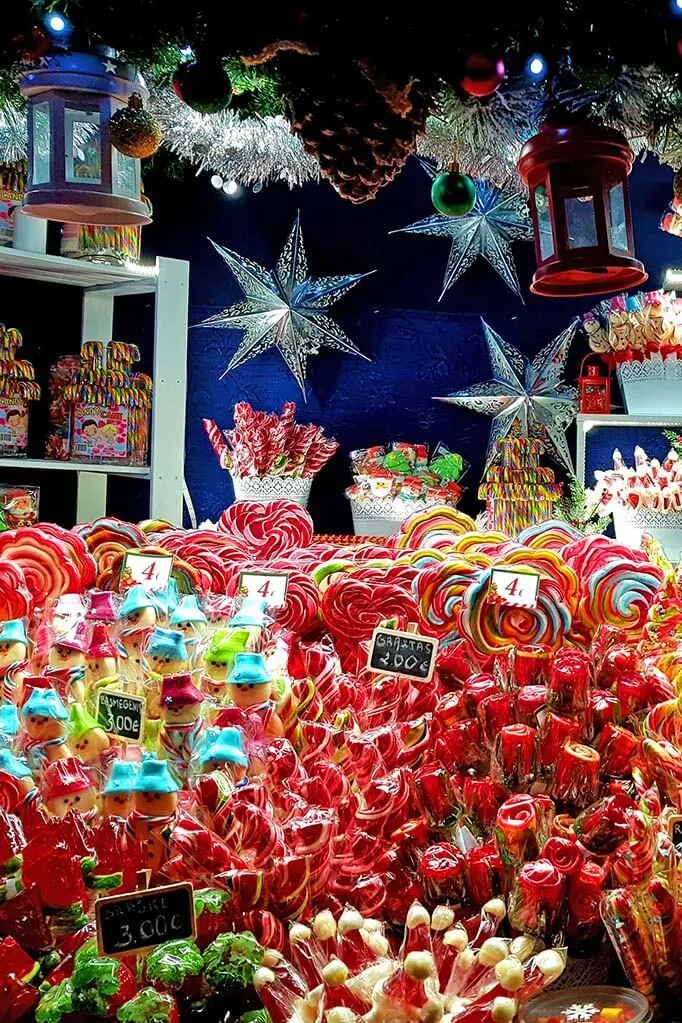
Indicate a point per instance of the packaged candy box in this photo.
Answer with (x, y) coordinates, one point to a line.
(99, 407)
(392, 482)
(12, 188)
(17, 389)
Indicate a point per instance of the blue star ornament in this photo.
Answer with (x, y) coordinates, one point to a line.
(499, 217)
(531, 394)
(284, 308)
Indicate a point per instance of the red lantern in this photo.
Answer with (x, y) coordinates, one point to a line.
(595, 389)
(580, 205)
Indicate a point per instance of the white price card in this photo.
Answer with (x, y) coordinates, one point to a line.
(515, 586)
(153, 571)
(271, 586)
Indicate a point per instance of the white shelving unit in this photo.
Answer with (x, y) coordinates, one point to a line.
(168, 281)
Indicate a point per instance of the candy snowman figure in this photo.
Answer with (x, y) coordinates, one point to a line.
(165, 654)
(249, 687)
(18, 790)
(9, 725)
(118, 794)
(141, 609)
(153, 813)
(219, 657)
(66, 660)
(88, 740)
(189, 619)
(224, 751)
(252, 616)
(13, 655)
(66, 786)
(102, 657)
(182, 724)
(43, 721)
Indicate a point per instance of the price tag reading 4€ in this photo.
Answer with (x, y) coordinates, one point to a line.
(153, 571)
(514, 586)
(271, 586)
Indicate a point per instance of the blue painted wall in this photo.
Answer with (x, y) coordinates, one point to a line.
(419, 347)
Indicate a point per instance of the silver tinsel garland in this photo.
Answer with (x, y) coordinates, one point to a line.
(13, 133)
(483, 136)
(255, 150)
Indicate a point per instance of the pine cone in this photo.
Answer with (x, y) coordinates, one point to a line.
(360, 143)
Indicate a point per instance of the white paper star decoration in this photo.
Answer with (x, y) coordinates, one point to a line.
(284, 308)
(499, 217)
(531, 394)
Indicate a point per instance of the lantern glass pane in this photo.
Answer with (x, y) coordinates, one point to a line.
(580, 222)
(544, 222)
(619, 227)
(82, 147)
(125, 175)
(41, 143)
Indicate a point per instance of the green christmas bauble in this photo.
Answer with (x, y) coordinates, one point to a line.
(204, 85)
(453, 194)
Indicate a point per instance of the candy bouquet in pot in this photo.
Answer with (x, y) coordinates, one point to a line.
(392, 482)
(362, 844)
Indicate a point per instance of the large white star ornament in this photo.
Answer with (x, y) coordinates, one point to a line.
(531, 394)
(284, 308)
(499, 217)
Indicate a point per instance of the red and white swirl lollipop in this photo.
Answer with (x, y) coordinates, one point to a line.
(267, 530)
(352, 609)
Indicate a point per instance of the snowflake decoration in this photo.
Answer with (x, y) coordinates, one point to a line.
(580, 1013)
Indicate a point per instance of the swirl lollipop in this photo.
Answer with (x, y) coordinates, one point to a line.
(564, 581)
(352, 609)
(620, 594)
(53, 561)
(15, 598)
(493, 627)
(270, 529)
(439, 590)
(552, 535)
(437, 527)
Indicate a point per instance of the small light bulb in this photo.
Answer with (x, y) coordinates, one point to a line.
(676, 7)
(216, 181)
(230, 188)
(186, 51)
(537, 67)
(56, 23)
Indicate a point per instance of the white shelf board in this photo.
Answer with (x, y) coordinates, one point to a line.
(79, 273)
(141, 471)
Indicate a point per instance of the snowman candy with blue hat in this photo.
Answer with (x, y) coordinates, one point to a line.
(43, 721)
(249, 687)
(189, 619)
(165, 653)
(155, 804)
(118, 792)
(14, 646)
(141, 611)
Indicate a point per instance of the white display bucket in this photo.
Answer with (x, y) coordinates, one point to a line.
(269, 488)
(382, 516)
(652, 387)
(666, 527)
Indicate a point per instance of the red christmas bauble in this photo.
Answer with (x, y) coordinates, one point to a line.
(482, 75)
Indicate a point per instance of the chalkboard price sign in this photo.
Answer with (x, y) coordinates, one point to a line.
(141, 920)
(675, 831)
(121, 714)
(402, 653)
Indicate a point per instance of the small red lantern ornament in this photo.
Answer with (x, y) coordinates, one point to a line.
(594, 388)
(580, 204)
